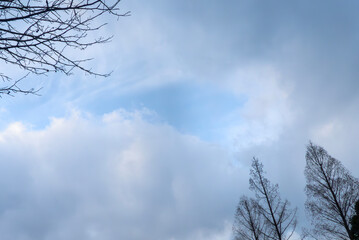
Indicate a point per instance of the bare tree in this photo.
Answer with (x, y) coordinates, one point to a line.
(331, 194)
(249, 223)
(280, 220)
(38, 35)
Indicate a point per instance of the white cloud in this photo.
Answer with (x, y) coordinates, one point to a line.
(115, 177)
(267, 110)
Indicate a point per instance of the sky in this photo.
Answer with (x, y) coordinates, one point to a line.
(161, 149)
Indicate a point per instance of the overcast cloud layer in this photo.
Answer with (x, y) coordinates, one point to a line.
(161, 149)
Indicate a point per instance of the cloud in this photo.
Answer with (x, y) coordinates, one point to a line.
(267, 110)
(115, 176)
(284, 58)
(293, 64)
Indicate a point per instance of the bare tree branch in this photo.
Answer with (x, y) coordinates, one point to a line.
(37, 35)
(280, 219)
(249, 223)
(331, 194)
(266, 217)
